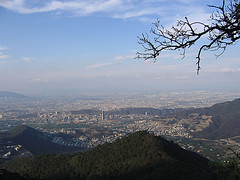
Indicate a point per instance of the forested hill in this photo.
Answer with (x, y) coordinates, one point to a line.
(226, 120)
(138, 156)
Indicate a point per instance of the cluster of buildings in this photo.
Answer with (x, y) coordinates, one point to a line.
(9, 150)
(69, 143)
(58, 114)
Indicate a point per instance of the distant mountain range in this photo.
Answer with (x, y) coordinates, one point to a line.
(143, 110)
(6, 95)
(225, 117)
(138, 156)
(128, 111)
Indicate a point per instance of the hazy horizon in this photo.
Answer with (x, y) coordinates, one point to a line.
(89, 46)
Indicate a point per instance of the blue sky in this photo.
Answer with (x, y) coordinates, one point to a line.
(90, 45)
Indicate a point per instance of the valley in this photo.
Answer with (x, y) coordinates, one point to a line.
(36, 134)
(194, 129)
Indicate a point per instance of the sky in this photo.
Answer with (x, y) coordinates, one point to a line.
(66, 46)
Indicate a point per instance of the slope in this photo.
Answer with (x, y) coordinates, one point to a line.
(226, 120)
(35, 141)
(138, 156)
(11, 96)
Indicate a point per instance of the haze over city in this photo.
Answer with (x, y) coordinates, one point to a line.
(119, 89)
(49, 47)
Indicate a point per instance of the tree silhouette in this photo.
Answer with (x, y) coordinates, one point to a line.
(222, 31)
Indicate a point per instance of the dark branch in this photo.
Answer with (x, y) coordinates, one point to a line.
(223, 31)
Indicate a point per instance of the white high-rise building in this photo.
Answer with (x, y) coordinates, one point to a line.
(103, 115)
(1, 116)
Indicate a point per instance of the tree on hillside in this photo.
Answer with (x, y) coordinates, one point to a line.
(230, 168)
(222, 31)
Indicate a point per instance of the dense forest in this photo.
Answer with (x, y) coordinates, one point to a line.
(139, 156)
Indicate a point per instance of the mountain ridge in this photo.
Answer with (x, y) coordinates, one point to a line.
(10, 94)
(140, 155)
(35, 141)
(226, 120)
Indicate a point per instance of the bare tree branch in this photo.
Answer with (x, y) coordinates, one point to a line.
(223, 31)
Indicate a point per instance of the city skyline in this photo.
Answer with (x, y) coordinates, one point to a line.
(68, 46)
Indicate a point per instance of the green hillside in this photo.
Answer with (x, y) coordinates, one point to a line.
(6, 175)
(138, 156)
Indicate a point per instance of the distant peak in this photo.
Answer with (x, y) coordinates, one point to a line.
(11, 96)
(20, 129)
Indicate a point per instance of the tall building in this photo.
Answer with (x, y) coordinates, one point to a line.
(103, 115)
(56, 113)
(45, 115)
(1, 116)
(146, 113)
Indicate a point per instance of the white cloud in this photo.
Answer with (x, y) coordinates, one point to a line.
(139, 12)
(124, 57)
(80, 6)
(141, 9)
(2, 48)
(223, 64)
(230, 70)
(225, 70)
(95, 66)
(149, 61)
(170, 56)
(38, 80)
(28, 59)
(2, 55)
